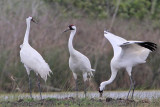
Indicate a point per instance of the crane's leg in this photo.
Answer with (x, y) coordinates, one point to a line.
(75, 77)
(85, 90)
(39, 87)
(30, 86)
(130, 85)
(76, 88)
(85, 87)
(133, 87)
(28, 72)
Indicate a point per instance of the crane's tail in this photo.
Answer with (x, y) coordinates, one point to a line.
(90, 74)
(93, 70)
(50, 72)
(45, 72)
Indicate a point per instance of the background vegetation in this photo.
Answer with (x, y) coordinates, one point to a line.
(131, 19)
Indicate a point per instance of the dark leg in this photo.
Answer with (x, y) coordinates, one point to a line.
(39, 87)
(85, 90)
(30, 86)
(130, 86)
(133, 88)
(76, 88)
(85, 77)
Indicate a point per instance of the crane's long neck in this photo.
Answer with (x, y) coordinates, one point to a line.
(26, 37)
(70, 45)
(113, 76)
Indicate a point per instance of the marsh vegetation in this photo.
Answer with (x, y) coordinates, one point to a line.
(91, 18)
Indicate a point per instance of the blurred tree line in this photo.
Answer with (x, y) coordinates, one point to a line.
(135, 20)
(138, 9)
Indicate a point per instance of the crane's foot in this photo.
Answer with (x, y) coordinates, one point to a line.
(85, 94)
(31, 95)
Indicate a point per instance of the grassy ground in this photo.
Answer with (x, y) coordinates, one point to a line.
(68, 99)
(83, 102)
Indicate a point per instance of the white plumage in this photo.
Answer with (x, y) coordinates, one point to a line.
(34, 61)
(31, 59)
(78, 62)
(126, 55)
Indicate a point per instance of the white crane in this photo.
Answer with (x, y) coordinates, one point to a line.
(126, 55)
(78, 62)
(32, 60)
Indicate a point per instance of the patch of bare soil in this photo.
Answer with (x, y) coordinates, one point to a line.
(126, 102)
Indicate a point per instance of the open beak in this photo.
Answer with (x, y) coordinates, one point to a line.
(66, 30)
(33, 20)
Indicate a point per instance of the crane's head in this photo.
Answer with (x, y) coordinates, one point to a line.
(101, 88)
(70, 27)
(31, 19)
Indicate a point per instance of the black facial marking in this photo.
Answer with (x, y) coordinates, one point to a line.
(100, 91)
(70, 27)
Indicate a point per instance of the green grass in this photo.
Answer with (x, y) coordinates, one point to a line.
(75, 102)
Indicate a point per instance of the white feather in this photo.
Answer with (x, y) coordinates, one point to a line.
(115, 42)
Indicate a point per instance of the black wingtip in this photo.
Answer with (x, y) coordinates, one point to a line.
(149, 45)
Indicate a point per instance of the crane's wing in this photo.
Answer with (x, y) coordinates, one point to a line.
(86, 62)
(136, 51)
(115, 42)
(83, 62)
(33, 60)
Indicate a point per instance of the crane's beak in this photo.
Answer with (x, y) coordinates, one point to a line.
(33, 20)
(66, 30)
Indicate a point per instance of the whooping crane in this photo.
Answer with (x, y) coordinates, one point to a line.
(78, 62)
(126, 55)
(32, 60)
